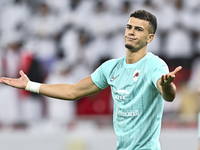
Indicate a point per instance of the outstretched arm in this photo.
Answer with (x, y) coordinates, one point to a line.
(166, 86)
(199, 145)
(198, 90)
(60, 91)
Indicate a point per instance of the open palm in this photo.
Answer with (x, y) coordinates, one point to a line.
(17, 83)
(168, 78)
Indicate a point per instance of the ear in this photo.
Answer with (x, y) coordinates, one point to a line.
(150, 38)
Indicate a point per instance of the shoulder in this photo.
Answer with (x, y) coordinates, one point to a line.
(113, 62)
(155, 60)
(156, 64)
(109, 65)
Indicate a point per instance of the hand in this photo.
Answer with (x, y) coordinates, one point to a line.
(169, 78)
(17, 83)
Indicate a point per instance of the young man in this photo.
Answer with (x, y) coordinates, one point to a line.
(139, 83)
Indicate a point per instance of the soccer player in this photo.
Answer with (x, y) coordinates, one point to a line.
(139, 82)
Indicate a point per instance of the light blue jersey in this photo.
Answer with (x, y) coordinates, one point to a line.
(138, 105)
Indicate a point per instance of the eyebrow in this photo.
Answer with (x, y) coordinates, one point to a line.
(136, 27)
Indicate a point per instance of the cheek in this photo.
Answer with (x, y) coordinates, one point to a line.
(144, 38)
(125, 34)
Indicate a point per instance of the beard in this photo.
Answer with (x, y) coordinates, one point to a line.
(132, 48)
(128, 46)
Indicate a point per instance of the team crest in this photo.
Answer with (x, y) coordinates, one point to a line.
(136, 74)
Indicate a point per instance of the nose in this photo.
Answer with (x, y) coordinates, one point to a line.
(131, 32)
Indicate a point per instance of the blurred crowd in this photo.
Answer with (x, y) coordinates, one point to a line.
(63, 41)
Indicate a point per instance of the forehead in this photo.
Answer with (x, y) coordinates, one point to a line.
(138, 22)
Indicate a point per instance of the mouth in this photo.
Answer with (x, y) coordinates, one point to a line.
(131, 38)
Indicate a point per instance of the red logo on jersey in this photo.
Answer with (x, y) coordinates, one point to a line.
(136, 75)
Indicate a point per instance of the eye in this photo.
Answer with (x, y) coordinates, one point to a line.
(139, 29)
(128, 27)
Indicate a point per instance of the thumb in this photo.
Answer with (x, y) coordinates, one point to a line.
(177, 70)
(22, 73)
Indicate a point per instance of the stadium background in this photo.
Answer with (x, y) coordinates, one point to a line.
(63, 41)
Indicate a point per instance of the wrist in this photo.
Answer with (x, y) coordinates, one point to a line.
(33, 86)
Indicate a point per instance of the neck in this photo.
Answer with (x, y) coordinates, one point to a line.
(135, 56)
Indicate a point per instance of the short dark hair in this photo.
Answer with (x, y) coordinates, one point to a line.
(144, 15)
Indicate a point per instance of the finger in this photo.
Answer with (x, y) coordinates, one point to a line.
(168, 78)
(171, 78)
(177, 70)
(1, 81)
(21, 73)
(163, 79)
(5, 81)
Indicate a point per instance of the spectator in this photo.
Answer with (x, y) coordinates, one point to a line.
(14, 17)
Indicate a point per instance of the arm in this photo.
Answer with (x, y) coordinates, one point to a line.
(199, 146)
(70, 91)
(61, 91)
(198, 90)
(166, 86)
